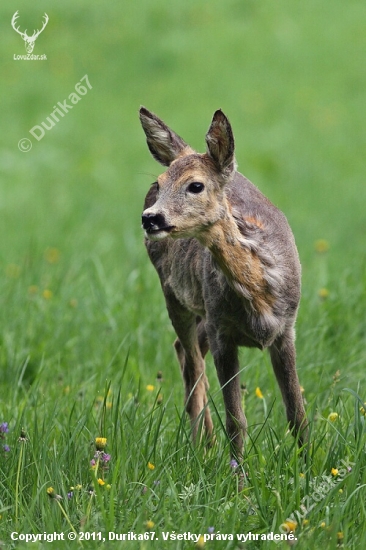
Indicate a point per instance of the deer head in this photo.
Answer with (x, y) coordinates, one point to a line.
(190, 195)
(29, 40)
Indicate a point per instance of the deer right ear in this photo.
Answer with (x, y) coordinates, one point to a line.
(164, 144)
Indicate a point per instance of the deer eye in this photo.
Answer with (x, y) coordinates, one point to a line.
(195, 187)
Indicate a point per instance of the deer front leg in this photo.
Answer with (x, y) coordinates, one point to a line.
(283, 357)
(188, 348)
(195, 382)
(225, 356)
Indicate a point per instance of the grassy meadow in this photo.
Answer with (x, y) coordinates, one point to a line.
(85, 341)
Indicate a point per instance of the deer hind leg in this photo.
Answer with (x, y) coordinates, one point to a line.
(191, 340)
(225, 355)
(283, 357)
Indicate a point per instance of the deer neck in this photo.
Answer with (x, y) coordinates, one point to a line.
(239, 263)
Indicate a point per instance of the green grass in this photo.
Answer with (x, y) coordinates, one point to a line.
(83, 326)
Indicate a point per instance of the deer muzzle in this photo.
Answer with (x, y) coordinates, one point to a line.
(155, 225)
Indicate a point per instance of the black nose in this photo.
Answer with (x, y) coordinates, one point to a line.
(153, 221)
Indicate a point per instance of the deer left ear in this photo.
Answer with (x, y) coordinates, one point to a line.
(220, 143)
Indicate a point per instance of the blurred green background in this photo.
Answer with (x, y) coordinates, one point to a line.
(290, 76)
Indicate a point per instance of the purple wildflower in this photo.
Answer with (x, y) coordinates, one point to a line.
(211, 530)
(233, 464)
(4, 428)
(101, 456)
(70, 495)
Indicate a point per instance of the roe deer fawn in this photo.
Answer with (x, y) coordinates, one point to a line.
(229, 269)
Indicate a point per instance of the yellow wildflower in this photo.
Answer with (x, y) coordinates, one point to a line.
(363, 409)
(47, 294)
(100, 443)
(340, 536)
(333, 416)
(322, 525)
(321, 246)
(52, 255)
(305, 522)
(149, 524)
(258, 393)
(150, 466)
(334, 472)
(201, 542)
(323, 293)
(101, 481)
(51, 492)
(301, 474)
(289, 525)
(150, 387)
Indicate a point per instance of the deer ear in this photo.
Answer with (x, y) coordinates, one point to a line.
(220, 143)
(164, 144)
